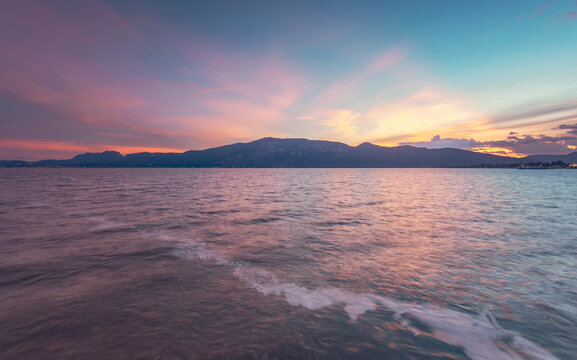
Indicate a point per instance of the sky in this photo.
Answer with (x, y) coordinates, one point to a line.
(175, 75)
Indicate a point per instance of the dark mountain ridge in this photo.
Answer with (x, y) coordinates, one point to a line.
(274, 152)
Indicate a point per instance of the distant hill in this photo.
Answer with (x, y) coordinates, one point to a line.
(568, 159)
(273, 152)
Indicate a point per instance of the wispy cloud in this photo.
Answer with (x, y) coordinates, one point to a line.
(541, 9)
(567, 126)
(572, 128)
(104, 73)
(546, 110)
(402, 99)
(345, 88)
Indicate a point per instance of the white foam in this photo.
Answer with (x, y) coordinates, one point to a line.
(104, 224)
(199, 250)
(480, 335)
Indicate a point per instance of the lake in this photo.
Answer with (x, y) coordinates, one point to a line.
(288, 264)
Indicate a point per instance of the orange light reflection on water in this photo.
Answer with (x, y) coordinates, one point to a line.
(412, 233)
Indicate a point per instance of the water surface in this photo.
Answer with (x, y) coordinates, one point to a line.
(288, 264)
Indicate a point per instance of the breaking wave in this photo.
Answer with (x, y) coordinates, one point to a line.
(480, 336)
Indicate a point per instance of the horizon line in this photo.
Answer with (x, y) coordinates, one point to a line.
(306, 139)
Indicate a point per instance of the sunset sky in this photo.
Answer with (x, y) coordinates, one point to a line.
(137, 75)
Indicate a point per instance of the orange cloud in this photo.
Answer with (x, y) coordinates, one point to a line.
(497, 151)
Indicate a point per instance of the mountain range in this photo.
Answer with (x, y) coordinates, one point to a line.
(274, 152)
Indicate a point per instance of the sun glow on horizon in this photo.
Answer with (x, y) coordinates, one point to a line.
(41, 150)
(500, 151)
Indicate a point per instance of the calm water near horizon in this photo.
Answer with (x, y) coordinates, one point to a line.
(288, 264)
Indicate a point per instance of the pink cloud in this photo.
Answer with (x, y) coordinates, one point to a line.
(344, 88)
(63, 64)
(541, 9)
(384, 61)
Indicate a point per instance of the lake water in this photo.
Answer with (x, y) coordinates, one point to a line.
(288, 264)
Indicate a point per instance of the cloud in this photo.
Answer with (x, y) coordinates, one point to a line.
(344, 88)
(384, 61)
(513, 145)
(102, 73)
(386, 98)
(531, 144)
(539, 111)
(571, 127)
(342, 122)
(438, 143)
(541, 9)
(571, 15)
(123, 87)
(531, 119)
(536, 144)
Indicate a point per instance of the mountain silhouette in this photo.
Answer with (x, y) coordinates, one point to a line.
(274, 152)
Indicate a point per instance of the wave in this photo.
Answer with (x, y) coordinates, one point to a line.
(480, 336)
(104, 224)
